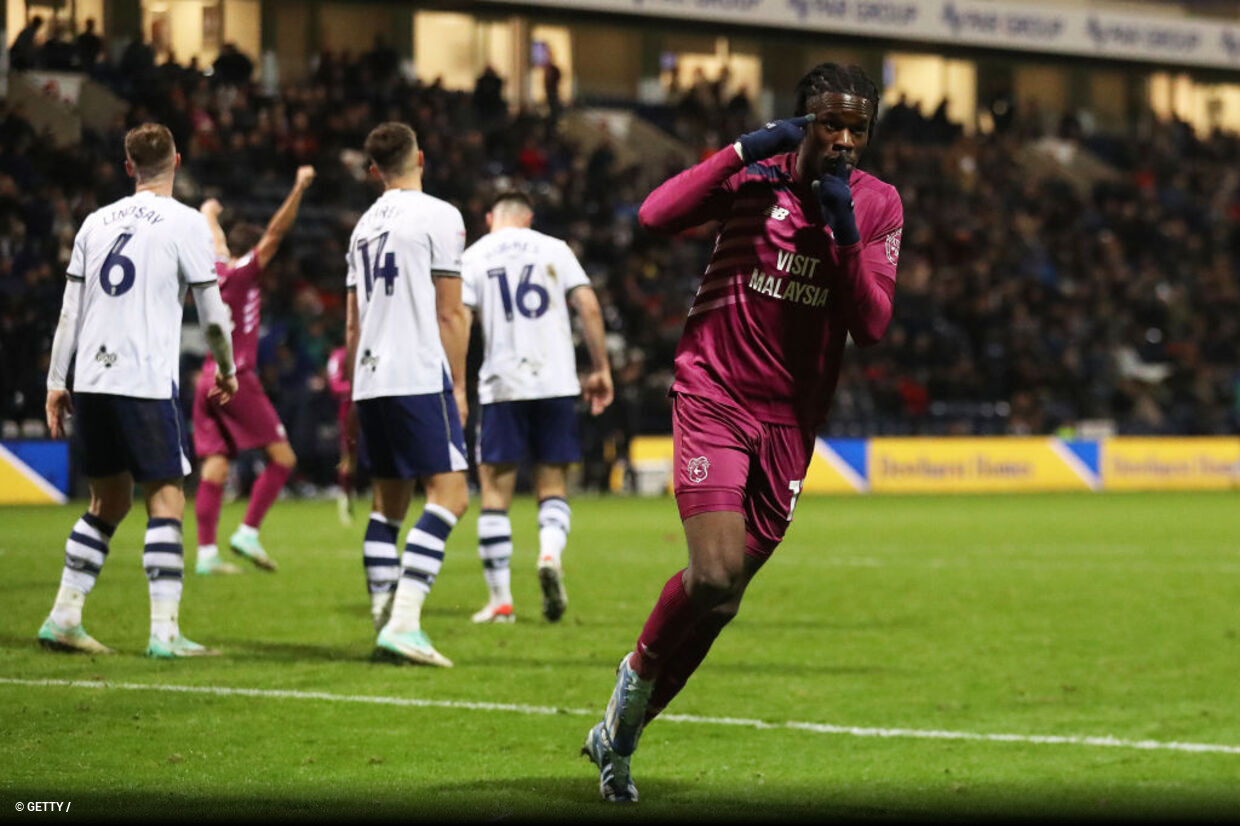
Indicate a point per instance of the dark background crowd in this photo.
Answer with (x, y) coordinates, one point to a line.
(1031, 297)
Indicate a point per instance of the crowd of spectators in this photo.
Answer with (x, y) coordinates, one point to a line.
(1028, 300)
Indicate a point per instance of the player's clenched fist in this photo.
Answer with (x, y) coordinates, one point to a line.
(225, 388)
(211, 208)
(305, 174)
(835, 197)
(776, 137)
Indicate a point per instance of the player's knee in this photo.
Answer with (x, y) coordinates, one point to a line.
(282, 454)
(714, 585)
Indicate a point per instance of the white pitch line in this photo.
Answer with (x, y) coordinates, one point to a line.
(817, 728)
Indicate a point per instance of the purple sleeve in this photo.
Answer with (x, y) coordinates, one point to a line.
(868, 273)
(699, 194)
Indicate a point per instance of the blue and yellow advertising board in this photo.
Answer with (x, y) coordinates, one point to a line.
(991, 464)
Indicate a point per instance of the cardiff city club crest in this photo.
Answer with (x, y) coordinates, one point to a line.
(893, 245)
(698, 469)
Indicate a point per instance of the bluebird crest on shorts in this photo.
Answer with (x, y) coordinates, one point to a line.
(697, 469)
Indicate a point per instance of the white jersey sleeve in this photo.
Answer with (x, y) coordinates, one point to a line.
(471, 285)
(447, 242)
(196, 252)
(568, 269)
(77, 258)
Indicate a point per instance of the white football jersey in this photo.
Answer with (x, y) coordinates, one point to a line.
(137, 256)
(519, 280)
(404, 237)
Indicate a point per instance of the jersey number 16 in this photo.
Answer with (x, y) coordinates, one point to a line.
(525, 290)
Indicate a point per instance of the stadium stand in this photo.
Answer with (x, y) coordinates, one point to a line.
(1009, 318)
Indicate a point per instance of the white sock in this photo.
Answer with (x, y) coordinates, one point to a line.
(207, 552)
(246, 531)
(407, 606)
(164, 625)
(67, 610)
(379, 601)
(554, 521)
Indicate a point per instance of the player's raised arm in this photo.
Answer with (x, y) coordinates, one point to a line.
(211, 209)
(700, 193)
(282, 221)
(867, 266)
(64, 343)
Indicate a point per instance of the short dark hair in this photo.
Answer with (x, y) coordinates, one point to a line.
(834, 77)
(513, 196)
(242, 238)
(389, 146)
(150, 149)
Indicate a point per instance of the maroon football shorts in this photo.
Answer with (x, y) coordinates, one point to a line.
(246, 422)
(726, 460)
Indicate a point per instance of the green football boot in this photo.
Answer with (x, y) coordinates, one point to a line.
(59, 638)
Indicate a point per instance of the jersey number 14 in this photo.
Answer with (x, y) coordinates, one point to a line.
(383, 268)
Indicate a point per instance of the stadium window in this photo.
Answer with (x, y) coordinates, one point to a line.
(925, 81)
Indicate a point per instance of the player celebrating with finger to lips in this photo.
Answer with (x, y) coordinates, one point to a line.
(805, 257)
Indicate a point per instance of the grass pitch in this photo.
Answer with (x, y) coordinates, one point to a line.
(912, 622)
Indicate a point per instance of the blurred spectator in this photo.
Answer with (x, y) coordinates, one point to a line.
(23, 53)
(89, 45)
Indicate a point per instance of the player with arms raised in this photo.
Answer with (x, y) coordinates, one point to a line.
(131, 264)
(521, 283)
(406, 333)
(250, 421)
(805, 257)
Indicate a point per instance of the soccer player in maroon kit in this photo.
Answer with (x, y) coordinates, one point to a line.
(805, 257)
(221, 432)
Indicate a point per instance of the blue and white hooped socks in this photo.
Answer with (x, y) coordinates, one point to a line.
(382, 562)
(85, 552)
(164, 561)
(420, 564)
(495, 550)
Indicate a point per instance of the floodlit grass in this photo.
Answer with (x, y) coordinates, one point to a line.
(1076, 615)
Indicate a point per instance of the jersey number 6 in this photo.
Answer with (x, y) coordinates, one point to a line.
(113, 260)
(525, 288)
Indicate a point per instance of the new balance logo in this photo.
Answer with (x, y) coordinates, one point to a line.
(777, 212)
